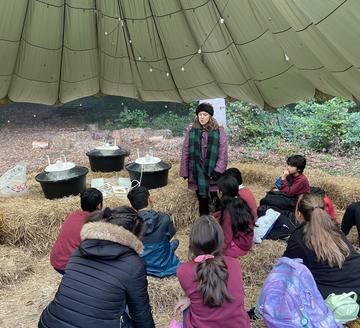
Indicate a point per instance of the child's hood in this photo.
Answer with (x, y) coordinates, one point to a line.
(151, 219)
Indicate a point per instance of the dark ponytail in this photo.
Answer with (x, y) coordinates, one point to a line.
(207, 237)
(240, 213)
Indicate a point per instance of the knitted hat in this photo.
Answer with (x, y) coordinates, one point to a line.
(204, 107)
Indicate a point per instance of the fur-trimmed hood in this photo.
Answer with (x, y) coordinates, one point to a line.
(111, 232)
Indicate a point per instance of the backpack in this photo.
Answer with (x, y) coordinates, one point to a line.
(344, 306)
(284, 226)
(279, 200)
(290, 298)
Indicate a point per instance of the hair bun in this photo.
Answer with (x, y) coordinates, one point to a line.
(107, 213)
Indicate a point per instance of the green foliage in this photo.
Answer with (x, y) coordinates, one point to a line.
(329, 126)
(134, 118)
(175, 122)
(326, 126)
(174, 118)
(250, 125)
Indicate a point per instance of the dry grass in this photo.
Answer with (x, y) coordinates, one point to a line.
(15, 264)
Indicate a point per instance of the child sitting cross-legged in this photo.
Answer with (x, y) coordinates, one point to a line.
(213, 283)
(293, 182)
(159, 252)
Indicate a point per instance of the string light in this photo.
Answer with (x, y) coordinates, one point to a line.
(287, 58)
(220, 20)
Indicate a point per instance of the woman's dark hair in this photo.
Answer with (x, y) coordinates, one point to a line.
(240, 212)
(297, 161)
(124, 216)
(207, 237)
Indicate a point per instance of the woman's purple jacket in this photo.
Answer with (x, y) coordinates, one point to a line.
(221, 164)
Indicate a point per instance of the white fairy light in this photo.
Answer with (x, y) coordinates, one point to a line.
(139, 58)
(150, 69)
(130, 41)
(221, 20)
(167, 74)
(165, 106)
(106, 33)
(183, 69)
(287, 58)
(199, 51)
(34, 115)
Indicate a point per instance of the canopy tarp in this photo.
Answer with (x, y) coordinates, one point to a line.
(260, 51)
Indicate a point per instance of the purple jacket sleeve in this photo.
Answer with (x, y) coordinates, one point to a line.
(222, 161)
(184, 163)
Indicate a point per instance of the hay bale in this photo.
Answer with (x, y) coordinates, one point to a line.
(341, 190)
(15, 264)
(256, 266)
(33, 221)
(163, 293)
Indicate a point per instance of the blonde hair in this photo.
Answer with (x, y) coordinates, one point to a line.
(321, 233)
(211, 125)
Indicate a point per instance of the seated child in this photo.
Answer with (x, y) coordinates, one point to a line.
(159, 252)
(244, 193)
(351, 218)
(68, 238)
(213, 283)
(293, 182)
(235, 217)
(324, 249)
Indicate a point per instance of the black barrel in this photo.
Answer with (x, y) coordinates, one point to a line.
(153, 175)
(107, 160)
(63, 183)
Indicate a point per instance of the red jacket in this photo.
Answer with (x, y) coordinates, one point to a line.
(68, 239)
(231, 314)
(300, 185)
(247, 196)
(234, 247)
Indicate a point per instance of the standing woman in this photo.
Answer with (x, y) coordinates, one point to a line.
(204, 155)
